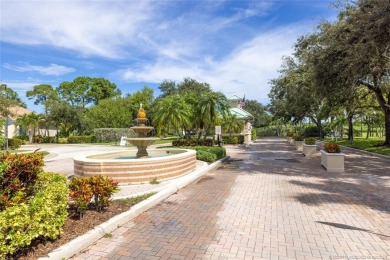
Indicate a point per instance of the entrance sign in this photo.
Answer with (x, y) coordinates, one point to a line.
(218, 130)
(123, 141)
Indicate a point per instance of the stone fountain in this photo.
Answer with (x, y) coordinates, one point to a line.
(142, 141)
(124, 166)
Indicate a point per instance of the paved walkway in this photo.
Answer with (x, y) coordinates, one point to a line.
(267, 202)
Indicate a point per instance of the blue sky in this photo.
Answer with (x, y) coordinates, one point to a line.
(235, 46)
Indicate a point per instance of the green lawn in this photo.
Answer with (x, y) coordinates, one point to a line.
(24, 151)
(373, 144)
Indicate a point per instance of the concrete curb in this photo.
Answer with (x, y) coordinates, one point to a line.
(78, 244)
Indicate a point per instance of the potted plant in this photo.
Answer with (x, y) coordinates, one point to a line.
(309, 147)
(289, 136)
(331, 157)
(298, 142)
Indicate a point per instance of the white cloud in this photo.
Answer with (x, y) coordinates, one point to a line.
(90, 28)
(51, 70)
(246, 70)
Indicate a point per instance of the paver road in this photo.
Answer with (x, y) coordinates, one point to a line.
(267, 202)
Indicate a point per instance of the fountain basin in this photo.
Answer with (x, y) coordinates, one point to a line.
(163, 164)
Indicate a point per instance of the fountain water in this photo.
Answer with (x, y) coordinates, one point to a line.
(130, 167)
(142, 141)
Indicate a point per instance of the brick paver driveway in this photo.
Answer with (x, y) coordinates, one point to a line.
(267, 202)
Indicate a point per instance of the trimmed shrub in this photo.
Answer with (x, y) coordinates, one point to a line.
(14, 143)
(193, 142)
(106, 135)
(43, 216)
(83, 139)
(205, 156)
(220, 152)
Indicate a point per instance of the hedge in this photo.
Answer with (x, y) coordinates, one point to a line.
(41, 217)
(233, 139)
(205, 156)
(220, 152)
(106, 135)
(81, 139)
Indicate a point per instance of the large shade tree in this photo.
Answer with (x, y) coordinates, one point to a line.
(355, 52)
(86, 90)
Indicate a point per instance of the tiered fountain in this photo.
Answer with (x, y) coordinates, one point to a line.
(131, 166)
(142, 141)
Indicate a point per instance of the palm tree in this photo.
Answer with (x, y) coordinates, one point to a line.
(29, 123)
(171, 111)
(209, 106)
(231, 124)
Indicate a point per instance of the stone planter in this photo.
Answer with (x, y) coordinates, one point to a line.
(298, 145)
(333, 162)
(309, 150)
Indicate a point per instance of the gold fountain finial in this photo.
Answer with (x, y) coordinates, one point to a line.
(141, 112)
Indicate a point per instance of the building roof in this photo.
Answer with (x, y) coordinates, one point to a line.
(241, 113)
(18, 111)
(234, 97)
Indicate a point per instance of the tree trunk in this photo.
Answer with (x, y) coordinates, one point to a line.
(387, 127)
(350, 127)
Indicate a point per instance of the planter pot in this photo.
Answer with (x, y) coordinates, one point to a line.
(298, 145)
(333, 162)
(309, 150)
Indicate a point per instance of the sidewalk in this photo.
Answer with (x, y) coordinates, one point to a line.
(267, 202)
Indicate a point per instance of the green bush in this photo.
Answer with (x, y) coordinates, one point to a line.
(62, 140)
(311, 131)
(220, 152)
(48, 139)
(310, 141)
(2, 142)
(43, 216)
(205, 156)
(18, 175)
(266, 131)
(193, 142)
(83, 139)
(299, 138)
(233, 139)
(106, 135)
(23, 137)
(254, 134)
(14, 143)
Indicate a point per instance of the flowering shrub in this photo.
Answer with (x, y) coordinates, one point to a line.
(331, 147)
(290, 134)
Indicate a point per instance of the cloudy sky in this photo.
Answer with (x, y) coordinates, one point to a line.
(235, 46)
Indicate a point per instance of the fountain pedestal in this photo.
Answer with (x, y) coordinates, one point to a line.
(142, 141)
